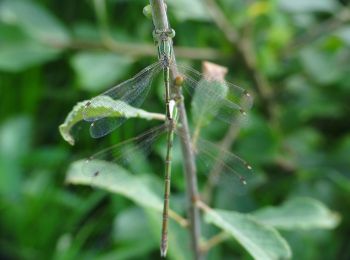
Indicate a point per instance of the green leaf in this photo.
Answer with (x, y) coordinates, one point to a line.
(261, 241)
(204, 106)
(189, 10)
(18, 51)
(300, 6)
(342, 182)
(106, 105)
(262, 144)
(344, 34)
(132, 230)
(304, 148)
(317, 63)
(98, 70)
(34, 20)
(117, 180)
(302, 213)
(306, 94)
(131, 225)
(15, 140)
(179, 242)
(135, 250)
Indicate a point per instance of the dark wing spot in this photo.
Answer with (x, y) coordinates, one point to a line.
(242, 112)
(242, 180)
(246, 93)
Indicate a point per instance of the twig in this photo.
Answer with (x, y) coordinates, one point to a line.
(215, 240)
(319, 30)
(160, 21)
(200, 204)
(246, 51)
(191, 182)
(182, 221)
(137, 50)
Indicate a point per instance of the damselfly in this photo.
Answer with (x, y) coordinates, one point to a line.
(219, 98)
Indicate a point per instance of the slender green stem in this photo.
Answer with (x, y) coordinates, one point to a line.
(160, 21)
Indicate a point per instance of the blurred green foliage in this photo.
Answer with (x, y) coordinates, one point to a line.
(56, 53)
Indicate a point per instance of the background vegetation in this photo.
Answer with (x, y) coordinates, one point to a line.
(292, 55)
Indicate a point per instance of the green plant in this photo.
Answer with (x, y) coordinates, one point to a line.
(255, 231)
(291, 55)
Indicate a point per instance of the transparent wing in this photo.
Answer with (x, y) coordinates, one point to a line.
(214, 98)
(217, 164)
(220, 165)
(122, 154)
(131, 92)
(222, 168)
